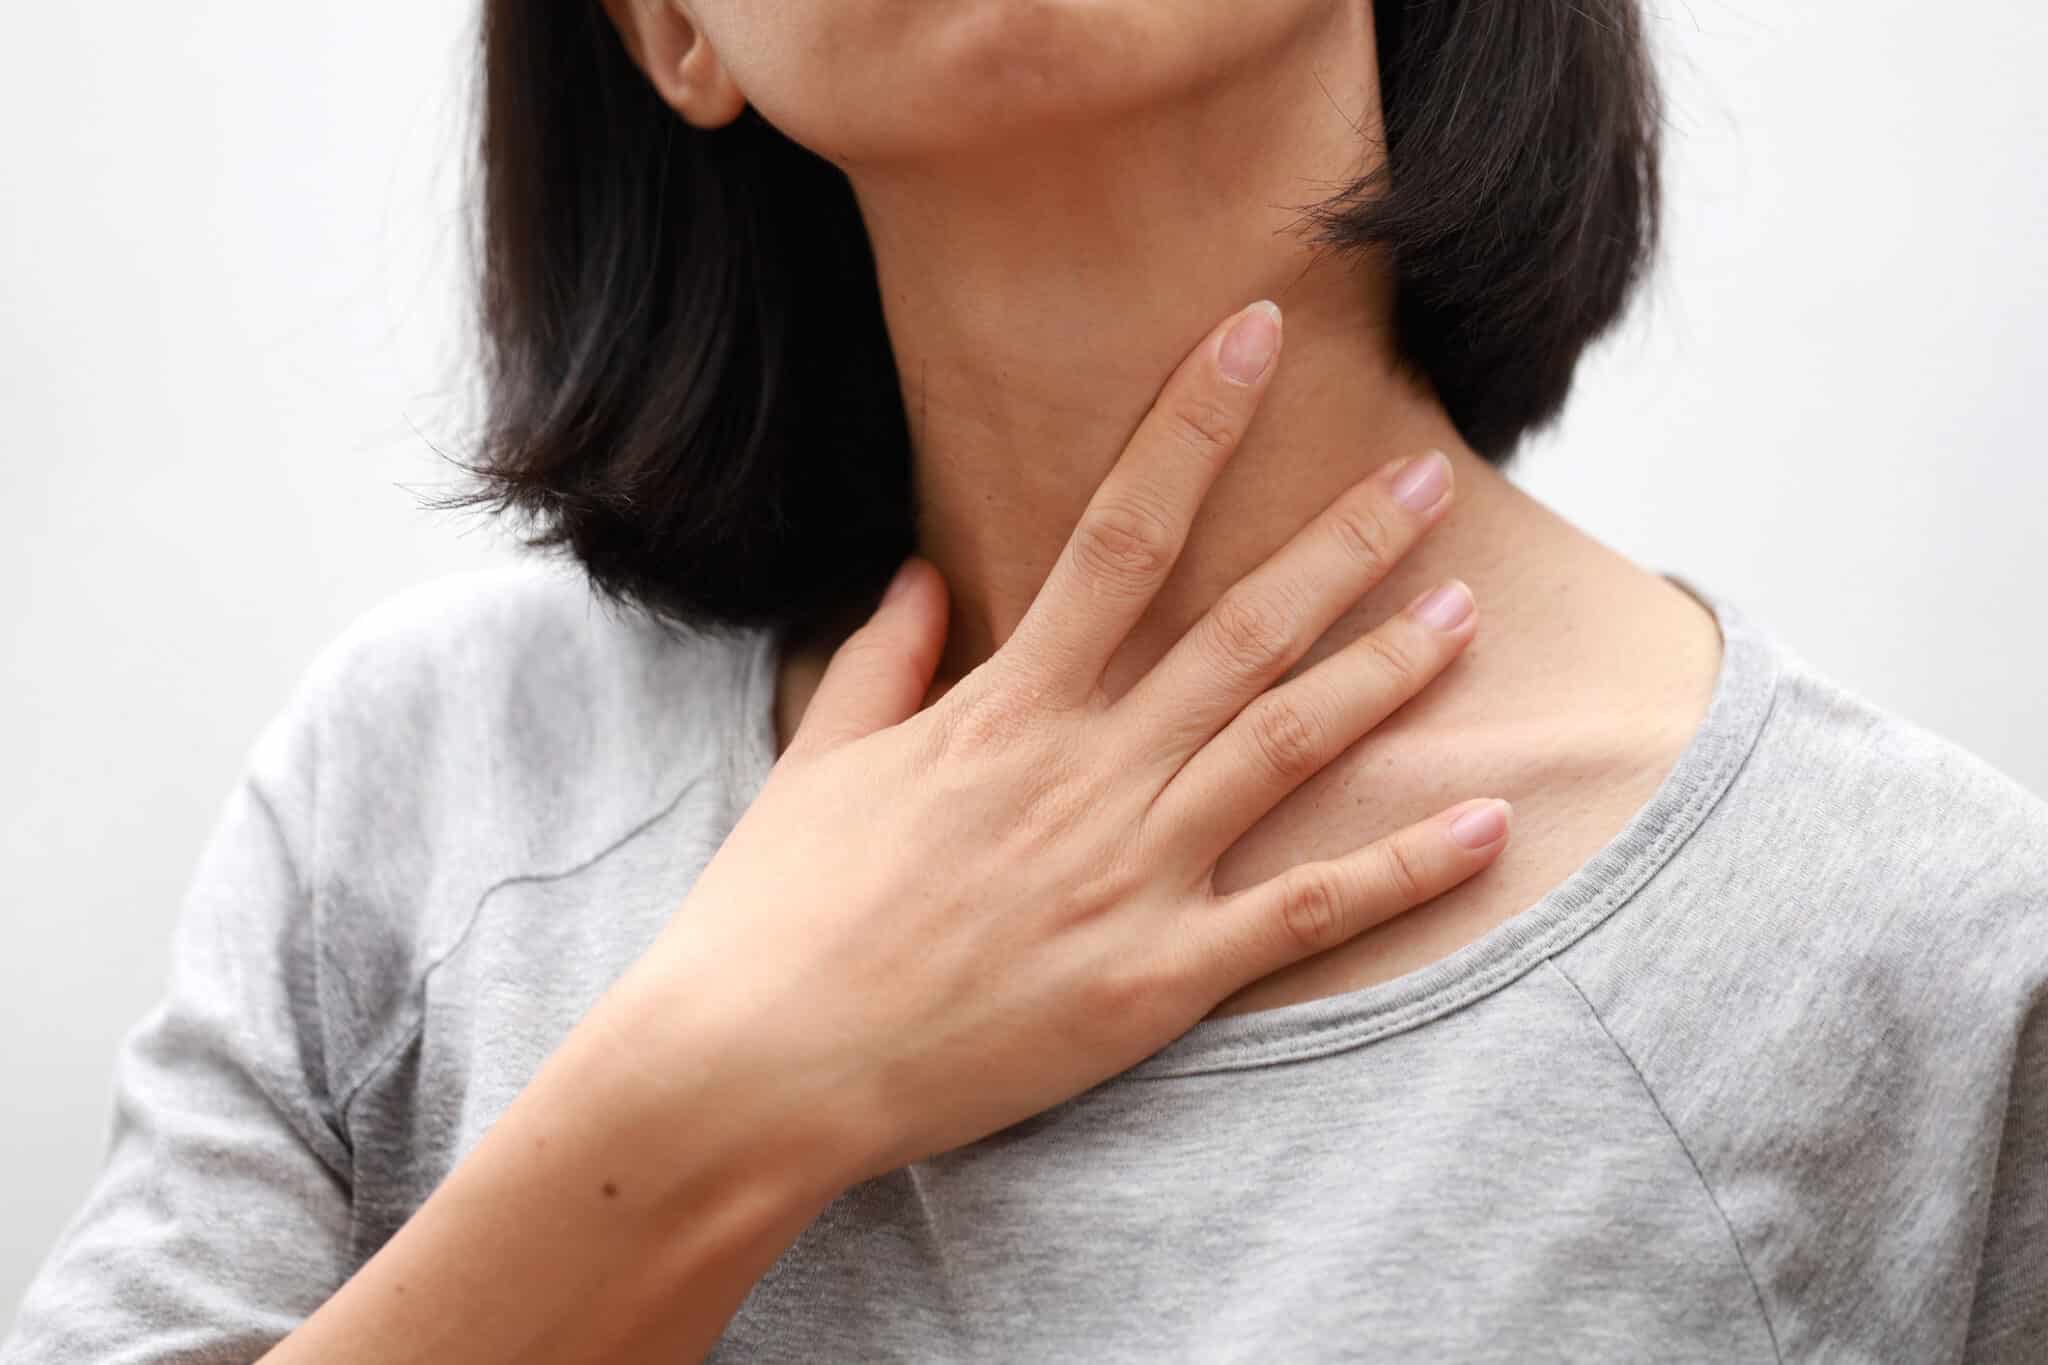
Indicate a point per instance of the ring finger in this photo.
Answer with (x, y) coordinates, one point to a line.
(1294, 731)
(1267, 620)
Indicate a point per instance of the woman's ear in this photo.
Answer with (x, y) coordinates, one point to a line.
(676, 54)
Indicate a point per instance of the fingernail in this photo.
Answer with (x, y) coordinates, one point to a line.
(1446, 608)
(1482, 825)
(1249, 346)
(1423, 481)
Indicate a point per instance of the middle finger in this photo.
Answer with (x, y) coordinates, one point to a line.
(1267, 620)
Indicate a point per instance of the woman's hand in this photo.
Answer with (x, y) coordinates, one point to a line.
(933, 924)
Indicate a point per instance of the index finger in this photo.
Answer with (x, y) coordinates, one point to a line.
(1132, 532)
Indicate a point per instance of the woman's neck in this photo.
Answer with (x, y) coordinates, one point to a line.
(1038, 293)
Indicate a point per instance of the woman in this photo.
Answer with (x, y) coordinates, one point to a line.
(1040, 986)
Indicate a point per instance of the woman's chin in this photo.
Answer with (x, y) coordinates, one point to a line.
(999, 112)
(989, 75)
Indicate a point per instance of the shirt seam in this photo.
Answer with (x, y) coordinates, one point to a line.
(1752, 703)
(328, 1111)
(1727, 1223)
(412, 1029)
(1343, 1035)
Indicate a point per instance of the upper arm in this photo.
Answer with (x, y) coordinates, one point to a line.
(221, 1215)
(2009, 1312)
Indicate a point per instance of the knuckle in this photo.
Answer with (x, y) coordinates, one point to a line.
(1021, 675)
(1313, 909)
(1364, 536)
(1054, 796)
(1203, 424)
(1403, 873)
(984, 722)
(1123, 542)
(1247, 629)
(1286, 739)
(1392, 657)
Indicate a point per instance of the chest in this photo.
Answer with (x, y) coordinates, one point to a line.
(1323, 1211)
(1573, 796)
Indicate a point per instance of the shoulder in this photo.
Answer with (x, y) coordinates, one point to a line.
(1858, 867)
(467, 732)
(487, 725)
(509, 628)
(525, 662)
(1835, 993)
(1868, 802)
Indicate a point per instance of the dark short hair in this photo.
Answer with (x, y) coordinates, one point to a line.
(688, 383)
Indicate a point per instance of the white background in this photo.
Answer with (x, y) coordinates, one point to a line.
(230, 303)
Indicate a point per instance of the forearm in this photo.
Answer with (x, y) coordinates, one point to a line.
(621, 1209)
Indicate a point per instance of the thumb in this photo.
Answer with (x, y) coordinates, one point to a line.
(879, 675)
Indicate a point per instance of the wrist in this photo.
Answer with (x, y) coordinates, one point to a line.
(699, 1074)
(670, 1188)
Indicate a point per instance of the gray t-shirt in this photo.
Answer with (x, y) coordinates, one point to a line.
(1766, 1079)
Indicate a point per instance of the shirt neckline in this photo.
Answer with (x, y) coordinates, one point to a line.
(1744, 688)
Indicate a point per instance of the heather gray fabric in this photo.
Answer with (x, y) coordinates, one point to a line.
(1767, 1079)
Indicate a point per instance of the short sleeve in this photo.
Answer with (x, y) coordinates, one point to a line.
(2009, 1319)
(221, 1216)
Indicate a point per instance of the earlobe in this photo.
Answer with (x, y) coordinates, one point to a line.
(712, 99)
(676, 54)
